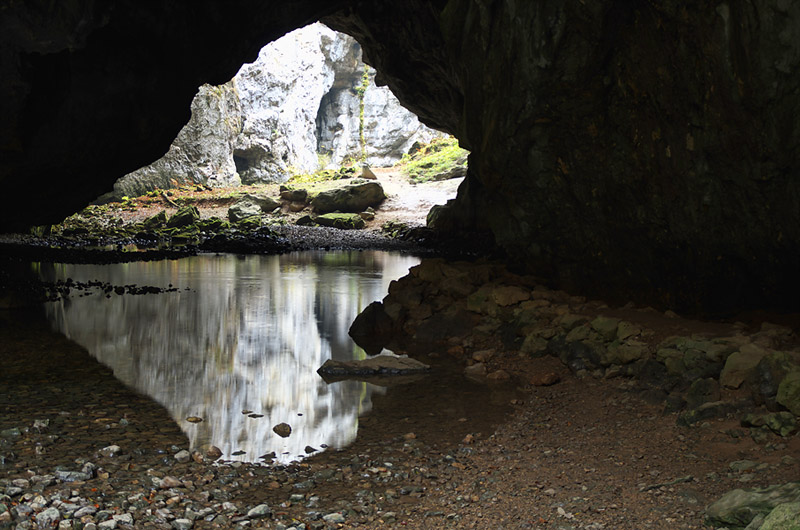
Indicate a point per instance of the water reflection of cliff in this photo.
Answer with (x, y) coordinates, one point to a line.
(242, 333)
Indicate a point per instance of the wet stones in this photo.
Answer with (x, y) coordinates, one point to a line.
(284, 430)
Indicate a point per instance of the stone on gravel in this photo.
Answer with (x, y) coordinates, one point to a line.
(259, 512)
(48, 517)
(213, 452)
(789, 392)
(506, 295)
(783, 517)
(741, 364)
(334, 518)
(183, 456)
(477, 370)
(623, 353)
(534, 346)
(380, 365)
(702, 391)
(545, 379)
(110, 451)
(284, 430)
(706, 411)
(498, 376)
(342, 221)
(606, 327)
(170, 482)
(185, 216)
(737, 508)
(353, 198)
(182, 524)
(72, 476)
(243, 209)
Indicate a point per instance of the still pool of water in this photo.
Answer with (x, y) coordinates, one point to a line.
(238, 344)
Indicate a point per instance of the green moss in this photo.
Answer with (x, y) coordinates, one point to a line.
(361, 90)
(434, 159)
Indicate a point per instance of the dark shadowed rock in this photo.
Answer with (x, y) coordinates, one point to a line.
(372, 328)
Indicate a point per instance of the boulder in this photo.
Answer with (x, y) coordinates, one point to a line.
(768, 374)
(380, 365)
(737, 508)
(243, 210)
(158, 220)
(741, 364)
(343, 221)
(789, 392)
(784, 516)
(606, 327)
(372, 328)
(624, 353)
(185, 216)
(250, 206)
(353, 198)
(293, 195)
(284, 430)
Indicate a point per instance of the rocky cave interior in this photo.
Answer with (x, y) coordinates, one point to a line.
(622, 151)
(646, 152)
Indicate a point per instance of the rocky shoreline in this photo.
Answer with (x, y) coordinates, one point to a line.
(622, 418)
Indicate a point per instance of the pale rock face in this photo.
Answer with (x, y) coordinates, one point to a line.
(280, 94)
(299, 98)
(201, 153)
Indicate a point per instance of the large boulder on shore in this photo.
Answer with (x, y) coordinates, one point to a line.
(372, 328)
(355, 197)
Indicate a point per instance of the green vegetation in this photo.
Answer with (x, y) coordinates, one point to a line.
(323, 175)
(433, 160)
(361, 90)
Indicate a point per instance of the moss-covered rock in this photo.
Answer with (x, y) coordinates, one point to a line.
(789, 392)
(184, 217)
(344, 221)
(737, 508)
(156, 221)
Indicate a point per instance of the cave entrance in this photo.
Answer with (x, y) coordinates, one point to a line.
(309, 109)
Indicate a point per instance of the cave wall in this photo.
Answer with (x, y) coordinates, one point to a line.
(644, 150)
(92, 90)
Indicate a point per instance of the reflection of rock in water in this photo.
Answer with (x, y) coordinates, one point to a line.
(249, 334)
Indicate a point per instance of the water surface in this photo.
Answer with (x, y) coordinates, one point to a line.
(238, 344)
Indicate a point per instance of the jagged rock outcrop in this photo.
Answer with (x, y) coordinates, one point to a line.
(643, 150)
(202, 151)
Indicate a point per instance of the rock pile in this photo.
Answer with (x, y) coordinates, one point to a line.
(490, 318)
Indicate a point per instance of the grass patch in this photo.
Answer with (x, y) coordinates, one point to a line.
(324, 175)
(432, 160)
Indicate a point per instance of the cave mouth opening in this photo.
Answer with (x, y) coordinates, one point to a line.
(306, 107)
